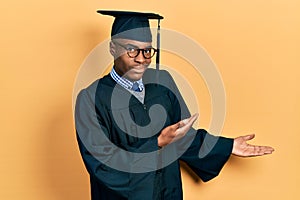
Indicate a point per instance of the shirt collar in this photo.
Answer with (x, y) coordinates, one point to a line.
(125, 83)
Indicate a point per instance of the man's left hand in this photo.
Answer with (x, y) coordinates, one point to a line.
(243, 149)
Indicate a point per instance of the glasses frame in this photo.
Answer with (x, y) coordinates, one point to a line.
(138, 50)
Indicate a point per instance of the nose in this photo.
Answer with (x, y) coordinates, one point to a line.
(140, 58)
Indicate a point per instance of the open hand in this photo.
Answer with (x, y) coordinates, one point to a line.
(243, 149)
(176, 131)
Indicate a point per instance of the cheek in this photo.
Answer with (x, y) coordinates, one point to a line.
(122, 58)
(124, 63)
(148, 61)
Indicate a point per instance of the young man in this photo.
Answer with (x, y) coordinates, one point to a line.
(133, 126)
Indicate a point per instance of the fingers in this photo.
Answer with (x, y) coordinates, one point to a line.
(194, 117)
(256, 149)
(175, 126)
(262, 150)
(243, 149)
(188, 121)
(176, 131)
(185, 126)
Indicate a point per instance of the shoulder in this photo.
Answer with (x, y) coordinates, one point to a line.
(99, 88)
(100, 84)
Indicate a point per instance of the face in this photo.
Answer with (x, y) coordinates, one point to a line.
(130, 68)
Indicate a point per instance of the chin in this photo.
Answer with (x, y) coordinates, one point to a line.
(135, 76)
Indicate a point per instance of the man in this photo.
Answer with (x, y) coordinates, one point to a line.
(133, 126)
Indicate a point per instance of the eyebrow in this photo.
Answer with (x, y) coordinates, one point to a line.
(134, 46)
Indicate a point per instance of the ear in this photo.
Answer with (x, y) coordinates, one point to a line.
(112, 49)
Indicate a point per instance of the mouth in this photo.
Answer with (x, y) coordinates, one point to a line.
(138, 69)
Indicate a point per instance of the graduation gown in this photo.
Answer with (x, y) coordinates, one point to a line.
(114, 128)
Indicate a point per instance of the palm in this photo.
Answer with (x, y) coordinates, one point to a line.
(243, 149)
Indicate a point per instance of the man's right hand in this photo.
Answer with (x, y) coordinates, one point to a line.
(176, 131)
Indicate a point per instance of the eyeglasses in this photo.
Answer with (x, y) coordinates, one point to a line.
(133, 52)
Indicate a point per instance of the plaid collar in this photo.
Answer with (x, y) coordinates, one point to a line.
(125, 83)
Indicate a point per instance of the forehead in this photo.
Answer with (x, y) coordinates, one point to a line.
(136, 43)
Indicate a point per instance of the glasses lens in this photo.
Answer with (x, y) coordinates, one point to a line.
(149, 53)
(132, 52)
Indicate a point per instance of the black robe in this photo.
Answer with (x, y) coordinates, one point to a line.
(117, 137)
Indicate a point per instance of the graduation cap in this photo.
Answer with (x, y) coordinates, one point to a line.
(134, 26)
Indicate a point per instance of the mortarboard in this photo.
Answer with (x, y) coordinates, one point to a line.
(135, 26)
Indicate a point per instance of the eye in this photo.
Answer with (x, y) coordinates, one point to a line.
(131, 49)
(147, 51)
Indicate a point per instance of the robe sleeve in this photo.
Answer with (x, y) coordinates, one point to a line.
(88, 131)
(207, 154)
(93, 135)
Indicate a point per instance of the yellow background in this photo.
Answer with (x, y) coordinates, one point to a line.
(255, 44)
